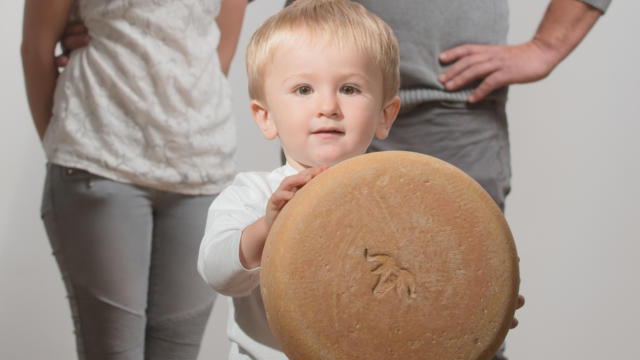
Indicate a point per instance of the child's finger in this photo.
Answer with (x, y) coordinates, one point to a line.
(280, 197)
(317, 170)
(310, 173)
(519, 304)
(294, 182)
(291, 183)
(514, 323)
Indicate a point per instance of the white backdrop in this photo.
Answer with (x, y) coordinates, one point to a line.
(573, 209)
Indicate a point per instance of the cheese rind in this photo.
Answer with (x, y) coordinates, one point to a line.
(390, 255)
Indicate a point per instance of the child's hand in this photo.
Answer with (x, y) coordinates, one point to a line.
(519, 304)
(286, 190)
(254, 236)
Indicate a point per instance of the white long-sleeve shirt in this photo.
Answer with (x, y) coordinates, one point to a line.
(238, 206)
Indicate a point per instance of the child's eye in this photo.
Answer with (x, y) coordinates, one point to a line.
(303, 90)
(349, 90)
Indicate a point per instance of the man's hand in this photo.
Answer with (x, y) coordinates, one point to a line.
(496, 66)
(75, 36)
(564, 25)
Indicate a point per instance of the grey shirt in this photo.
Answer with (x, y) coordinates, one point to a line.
(425, 28)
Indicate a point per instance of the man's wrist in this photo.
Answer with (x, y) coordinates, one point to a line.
(551, 54)
(563, 26)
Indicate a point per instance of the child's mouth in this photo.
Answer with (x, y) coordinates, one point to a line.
(328, 132)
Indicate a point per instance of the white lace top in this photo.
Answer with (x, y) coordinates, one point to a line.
(146, 102)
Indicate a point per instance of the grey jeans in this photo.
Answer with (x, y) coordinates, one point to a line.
(127, 255)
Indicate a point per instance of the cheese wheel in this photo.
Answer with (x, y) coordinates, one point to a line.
(390, 255)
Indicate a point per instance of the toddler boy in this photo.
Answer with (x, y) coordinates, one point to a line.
(323, 77)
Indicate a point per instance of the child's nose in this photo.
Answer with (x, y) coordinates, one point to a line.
(329, 106)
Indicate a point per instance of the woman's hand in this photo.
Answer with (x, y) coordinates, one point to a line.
(75, 36)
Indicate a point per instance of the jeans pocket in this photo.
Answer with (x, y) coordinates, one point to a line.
(76, 177)
(73, 174)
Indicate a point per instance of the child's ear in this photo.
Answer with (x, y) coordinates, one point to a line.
(263, 119)
(389, 114)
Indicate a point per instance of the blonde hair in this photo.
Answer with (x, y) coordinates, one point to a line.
(344, 22)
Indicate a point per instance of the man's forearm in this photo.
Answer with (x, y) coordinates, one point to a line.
(564, 25)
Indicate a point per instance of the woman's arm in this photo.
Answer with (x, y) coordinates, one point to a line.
(230, 23)
(44, 22)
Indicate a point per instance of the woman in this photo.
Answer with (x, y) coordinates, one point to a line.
(139, 138)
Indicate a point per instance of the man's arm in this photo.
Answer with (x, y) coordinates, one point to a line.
(230, 23)
(44, 21)
(564, 25)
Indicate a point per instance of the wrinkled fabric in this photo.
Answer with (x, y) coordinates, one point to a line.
(146, 101)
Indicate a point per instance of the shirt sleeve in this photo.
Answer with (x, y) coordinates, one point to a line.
(238, 206)
(601, 5)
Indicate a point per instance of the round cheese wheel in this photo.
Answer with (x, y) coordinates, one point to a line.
(390, 255)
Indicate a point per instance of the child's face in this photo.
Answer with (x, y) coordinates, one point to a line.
(324, 102)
